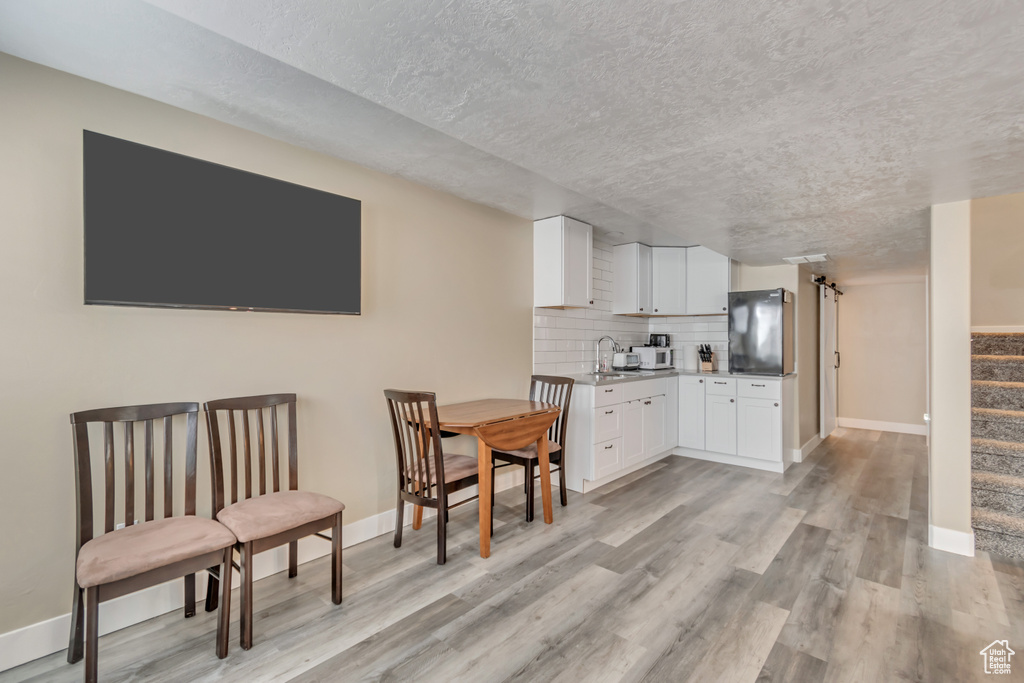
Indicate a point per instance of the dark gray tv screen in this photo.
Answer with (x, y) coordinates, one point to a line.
(164, 229)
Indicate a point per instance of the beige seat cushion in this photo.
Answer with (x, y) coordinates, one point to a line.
(273, 513)
(456, 467)
(148, 545)
(530, 452)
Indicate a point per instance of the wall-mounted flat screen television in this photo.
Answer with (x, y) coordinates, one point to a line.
(163, 229)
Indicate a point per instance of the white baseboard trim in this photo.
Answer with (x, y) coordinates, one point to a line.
(879, 426)
(590, 486)
(725, 458)
(958, 542)
(799, 455)
(998, 329)
(46, 637)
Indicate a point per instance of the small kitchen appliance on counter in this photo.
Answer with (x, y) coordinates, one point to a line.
(625, 361)
(653, 357)
(659, 340)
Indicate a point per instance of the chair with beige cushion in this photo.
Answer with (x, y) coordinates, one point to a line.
(147, 550)
(426, 474)
(266, 509)
(549, 389)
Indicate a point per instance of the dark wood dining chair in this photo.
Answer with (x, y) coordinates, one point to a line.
(426, 474)
(141, 548)
(266, 509)
(549, 389)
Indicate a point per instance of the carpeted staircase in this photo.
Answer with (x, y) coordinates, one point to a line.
(997, 443)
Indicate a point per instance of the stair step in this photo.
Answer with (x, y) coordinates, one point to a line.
(995, 344)
(998, 457)
(1006, 395)
(999, 425)
(999, 533)
(997, 368)
(998, 492)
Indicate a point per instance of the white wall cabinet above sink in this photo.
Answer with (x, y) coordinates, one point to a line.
(657, 281)
(562, 263)
(631, 284)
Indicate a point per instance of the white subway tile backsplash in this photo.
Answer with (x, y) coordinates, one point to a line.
(565, 339)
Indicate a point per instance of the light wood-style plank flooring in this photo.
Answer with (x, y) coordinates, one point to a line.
(683, 571)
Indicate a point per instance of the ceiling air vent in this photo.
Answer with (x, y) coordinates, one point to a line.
(810, 258)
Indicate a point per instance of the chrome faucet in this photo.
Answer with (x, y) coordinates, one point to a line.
(615, 349)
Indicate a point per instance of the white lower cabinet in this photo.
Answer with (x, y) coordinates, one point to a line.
(737, 420)
(632, 432)
(759, 428)
(691, 412)
(720, 424)
(655, 440)
(616, 426)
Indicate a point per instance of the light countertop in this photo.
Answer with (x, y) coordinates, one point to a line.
(640, 375)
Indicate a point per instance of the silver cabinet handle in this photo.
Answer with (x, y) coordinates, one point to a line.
(719, 382)
(609, 446)
(757, 385)
(609, 412)
(608, 391)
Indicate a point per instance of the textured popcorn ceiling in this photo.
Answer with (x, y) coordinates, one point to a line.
(759, 128)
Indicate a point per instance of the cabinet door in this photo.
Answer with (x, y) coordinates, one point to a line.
(632, 432)
(759, 428)
(668, 268)
(562, 263)
(654, 426)
(607, 423)
(644, 274)
(707, 282)
(720, 424)
(607, 458)
(578, 261)
(691, 412)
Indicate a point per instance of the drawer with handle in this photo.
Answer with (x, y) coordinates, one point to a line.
(759, 388)
(607, 458)
(721, 386)
(607, 423)
(607, 395)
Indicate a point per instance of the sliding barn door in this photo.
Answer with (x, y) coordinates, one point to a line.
(829, 360)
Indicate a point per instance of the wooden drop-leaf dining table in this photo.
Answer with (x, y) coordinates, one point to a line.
(504, 424)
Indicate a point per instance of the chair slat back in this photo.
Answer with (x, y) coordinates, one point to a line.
(129, 417)
(256, 477)
(556, 390)
(417, 446)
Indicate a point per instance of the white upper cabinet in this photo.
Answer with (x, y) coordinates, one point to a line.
(669, 280)
(562, 262)
(631, 286)
(655, 281)
(707, 282)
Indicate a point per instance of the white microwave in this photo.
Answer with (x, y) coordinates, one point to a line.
(654, 357)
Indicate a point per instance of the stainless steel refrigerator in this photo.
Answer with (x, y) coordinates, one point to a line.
(761, 332)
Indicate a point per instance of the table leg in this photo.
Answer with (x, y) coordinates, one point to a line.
(483, 471)
(545, 476)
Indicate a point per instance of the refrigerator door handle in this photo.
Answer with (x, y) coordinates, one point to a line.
(839, 360)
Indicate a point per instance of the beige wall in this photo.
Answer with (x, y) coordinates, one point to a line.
(949, 455)
(808, 353)
(997, 252)
(447, 306)
(804, 424)
(882, 346)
